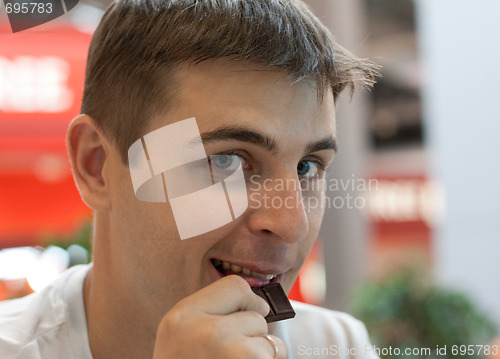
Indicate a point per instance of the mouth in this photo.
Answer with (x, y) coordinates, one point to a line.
(253, 278)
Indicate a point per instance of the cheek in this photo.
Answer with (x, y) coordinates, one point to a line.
(138, 219)
(146, 238)
(314, 215)
(313, 206)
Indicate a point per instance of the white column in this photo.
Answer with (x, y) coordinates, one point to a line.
(344, 231)
(460, 48)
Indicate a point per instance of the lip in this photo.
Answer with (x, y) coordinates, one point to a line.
(259, 268)
(252, 281)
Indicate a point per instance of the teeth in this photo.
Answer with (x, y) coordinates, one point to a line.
(263, 276)
(245, 271)
(235, 268)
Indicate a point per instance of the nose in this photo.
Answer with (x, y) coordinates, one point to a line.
(276, 207)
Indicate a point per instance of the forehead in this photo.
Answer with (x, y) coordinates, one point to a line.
(223, 93)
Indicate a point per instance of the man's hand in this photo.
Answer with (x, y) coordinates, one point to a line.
(222, 320)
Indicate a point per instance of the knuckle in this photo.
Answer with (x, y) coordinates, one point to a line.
(167, 324)
(174, 317)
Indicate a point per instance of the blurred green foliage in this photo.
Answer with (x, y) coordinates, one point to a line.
(81, 237)
(405, 310)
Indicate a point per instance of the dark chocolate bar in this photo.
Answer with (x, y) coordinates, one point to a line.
(276, 297)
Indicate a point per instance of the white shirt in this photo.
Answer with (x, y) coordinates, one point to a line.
(317, 332)
(52, 325)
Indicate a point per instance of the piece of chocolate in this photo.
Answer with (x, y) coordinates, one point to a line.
(276, 297)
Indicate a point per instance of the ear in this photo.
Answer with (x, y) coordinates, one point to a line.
(88, 151)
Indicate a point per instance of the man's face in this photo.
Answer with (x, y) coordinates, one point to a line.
(276, 232)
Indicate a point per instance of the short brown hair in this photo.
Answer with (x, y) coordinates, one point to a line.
(138, 44)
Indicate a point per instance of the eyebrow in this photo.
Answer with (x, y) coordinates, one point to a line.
(266, 142)
(328, 143)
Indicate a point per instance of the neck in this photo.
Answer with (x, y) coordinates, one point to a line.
(118, 327)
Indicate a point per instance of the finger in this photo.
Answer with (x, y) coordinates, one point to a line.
(269, 346)
(227, 295)
(247, 323)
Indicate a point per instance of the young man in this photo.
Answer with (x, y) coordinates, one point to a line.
(258, 80)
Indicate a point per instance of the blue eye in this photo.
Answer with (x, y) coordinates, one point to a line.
(308, 169)
(226, 162)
